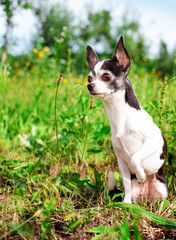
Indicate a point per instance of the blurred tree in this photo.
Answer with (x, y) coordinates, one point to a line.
(165, 60)
(134, 41)
(9, 8)
(56, 28)
(97, 28)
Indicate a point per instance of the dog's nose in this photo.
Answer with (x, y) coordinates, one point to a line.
(90, 86)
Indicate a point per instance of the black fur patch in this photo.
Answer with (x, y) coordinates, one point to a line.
(93, 71)
(117, 71)
(133, 176)
(164, 153)
(130, 96)
(161, 176)
(112, 65)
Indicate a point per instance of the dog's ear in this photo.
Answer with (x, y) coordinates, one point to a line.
(121, 55)
(91, 56)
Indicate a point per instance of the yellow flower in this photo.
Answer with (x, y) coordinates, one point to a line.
(144, 59)
(40, 54)
(165, 78)
(79, 80)
(42, 80)
(65, 80)
(35, 50)
(27, 64)
(46, 49)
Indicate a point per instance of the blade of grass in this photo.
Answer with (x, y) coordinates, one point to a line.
(36, 214)
(152, 217)
(58, 83)
(125, 231)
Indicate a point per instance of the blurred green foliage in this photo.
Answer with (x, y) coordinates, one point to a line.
(59, 29)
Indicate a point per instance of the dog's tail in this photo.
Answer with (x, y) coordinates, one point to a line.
(112, 186)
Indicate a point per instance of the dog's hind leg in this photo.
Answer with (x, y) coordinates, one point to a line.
(158, 186)
(152, 189)
(135, 189)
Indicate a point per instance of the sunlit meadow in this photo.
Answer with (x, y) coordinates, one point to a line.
(56, 153)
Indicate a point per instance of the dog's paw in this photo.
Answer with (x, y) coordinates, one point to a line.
(127, 199)
(141, 177)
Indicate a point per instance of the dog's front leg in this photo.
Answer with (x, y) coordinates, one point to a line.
(126, 176)
(148, 148)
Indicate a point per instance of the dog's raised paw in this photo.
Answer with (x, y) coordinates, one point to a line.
(141, 177)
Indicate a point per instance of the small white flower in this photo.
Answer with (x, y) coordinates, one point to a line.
(24, 140)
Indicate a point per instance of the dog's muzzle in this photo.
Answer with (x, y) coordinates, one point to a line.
(90, 86)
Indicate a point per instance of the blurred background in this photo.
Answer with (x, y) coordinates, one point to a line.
(68, 26)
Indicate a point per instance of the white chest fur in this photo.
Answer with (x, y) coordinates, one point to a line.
(130, 128)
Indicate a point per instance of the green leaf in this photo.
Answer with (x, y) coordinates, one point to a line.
(117, 195)
(99, 236)
(152, 217)
(99, 183)
(108, 199)
(125, 231)
(166, 203)
(30, 166)
(137, 234)
(76, 224)
(104, 131)
(99, 229)
(104, 229)
(37, 165)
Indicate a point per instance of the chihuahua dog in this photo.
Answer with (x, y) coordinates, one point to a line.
(139, 145)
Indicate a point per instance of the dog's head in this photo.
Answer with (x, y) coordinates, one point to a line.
(109, 75)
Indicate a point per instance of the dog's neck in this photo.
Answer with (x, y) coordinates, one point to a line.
(115, 100)
(116, 108)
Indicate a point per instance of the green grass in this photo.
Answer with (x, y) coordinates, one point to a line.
(57, 188)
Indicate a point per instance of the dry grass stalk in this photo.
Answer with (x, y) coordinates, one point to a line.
(59, 79)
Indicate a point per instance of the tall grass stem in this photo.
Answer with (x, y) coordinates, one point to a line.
(58, 83)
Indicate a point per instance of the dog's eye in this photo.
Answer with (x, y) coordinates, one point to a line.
(89, 79)
(106, 77)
